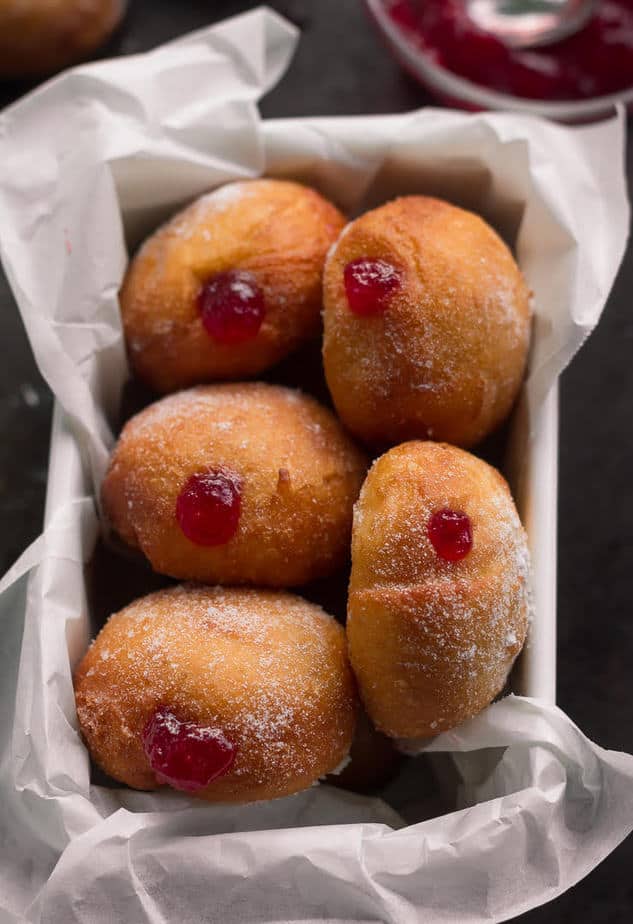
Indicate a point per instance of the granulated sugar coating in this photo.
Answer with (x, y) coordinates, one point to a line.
(296, 472)
(272, 232)
(264, 671)
(444, 356)
(432, 641)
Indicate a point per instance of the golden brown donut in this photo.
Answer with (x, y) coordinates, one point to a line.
(427, 322)
(235, 484)
(230, 285)
(42, 36)
(438, 600)
(232, 695)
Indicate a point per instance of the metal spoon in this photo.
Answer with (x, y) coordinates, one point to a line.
(529, 23)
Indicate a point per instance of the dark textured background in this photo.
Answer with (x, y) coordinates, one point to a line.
(341, 68)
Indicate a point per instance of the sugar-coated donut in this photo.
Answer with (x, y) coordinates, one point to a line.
(232, 695)
(42, 36)
(235, 484)
(230, 285)
(438, 600)
(427, 321)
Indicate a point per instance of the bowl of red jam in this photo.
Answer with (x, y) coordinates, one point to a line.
(580, 77)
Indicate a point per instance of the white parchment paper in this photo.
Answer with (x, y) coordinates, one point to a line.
(96, 158)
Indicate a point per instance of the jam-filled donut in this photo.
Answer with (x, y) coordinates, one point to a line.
(235, 484)
(231, 695)
(438, 601)
(41, 36)
(427, 321)
(230, 285)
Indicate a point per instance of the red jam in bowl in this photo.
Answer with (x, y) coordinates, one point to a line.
(595, 61)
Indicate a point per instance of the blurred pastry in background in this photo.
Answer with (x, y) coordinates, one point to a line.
(39, 37)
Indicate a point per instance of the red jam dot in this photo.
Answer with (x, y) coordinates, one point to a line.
(209, 506)
(451, 534)
(369, 285)
(232, 307)
(186, 755)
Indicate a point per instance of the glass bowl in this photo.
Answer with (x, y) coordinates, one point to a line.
(459, 91)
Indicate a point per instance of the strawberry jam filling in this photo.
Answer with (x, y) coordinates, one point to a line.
(208, 507)
(185, 755)
(451, 534)
(369, 285)
(232, 307)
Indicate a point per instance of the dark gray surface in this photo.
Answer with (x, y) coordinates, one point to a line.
(340, 68)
